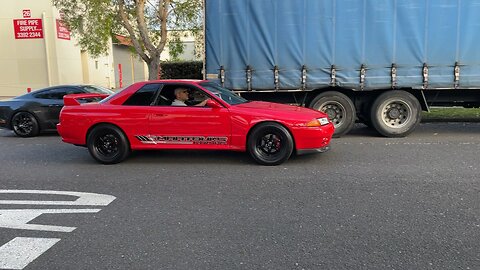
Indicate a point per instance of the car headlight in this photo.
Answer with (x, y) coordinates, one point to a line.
(323, 121)
(318, 122)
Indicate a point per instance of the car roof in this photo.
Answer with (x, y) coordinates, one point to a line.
(28, 95)
(176, 81)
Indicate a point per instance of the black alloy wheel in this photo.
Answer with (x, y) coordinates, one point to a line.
(24, 124)
(270, 144)
(108, 144)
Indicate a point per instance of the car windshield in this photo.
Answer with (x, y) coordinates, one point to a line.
(96, 89)
(223, 93)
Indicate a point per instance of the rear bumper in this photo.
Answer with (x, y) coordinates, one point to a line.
(67, 136)
(313, 151)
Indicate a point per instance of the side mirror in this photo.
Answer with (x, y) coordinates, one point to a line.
(213, 104)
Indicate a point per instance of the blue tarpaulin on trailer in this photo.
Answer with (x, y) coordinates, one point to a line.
(346, 34)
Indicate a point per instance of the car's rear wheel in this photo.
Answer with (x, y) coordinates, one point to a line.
(108, 144)
(24, 124)
(270, 144)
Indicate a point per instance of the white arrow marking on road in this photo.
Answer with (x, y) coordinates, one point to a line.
(84, 198)
(21, 251)
(18, 218)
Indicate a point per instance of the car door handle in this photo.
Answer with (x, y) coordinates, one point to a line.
(160, 114)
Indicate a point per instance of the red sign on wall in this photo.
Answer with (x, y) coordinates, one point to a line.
(28, 28)
(62, 31)
(27, 13)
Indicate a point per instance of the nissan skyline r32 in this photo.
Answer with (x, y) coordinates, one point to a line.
(142, 117)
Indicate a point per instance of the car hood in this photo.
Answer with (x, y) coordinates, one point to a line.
(271, 108)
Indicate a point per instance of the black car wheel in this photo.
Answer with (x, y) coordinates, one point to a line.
(108, 144)
(24, 124)
(270, 144)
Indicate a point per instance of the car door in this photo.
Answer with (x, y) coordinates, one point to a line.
(49, 104)
(134, 114)
(188, 127)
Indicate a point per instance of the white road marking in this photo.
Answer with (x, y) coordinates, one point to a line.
(21, 251)
(84, 198)
(18, 218)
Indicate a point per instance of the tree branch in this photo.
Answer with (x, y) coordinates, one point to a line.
(126, 23)
(163, 16)
(142, 27)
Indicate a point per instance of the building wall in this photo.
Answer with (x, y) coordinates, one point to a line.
(21, 61)
(47, 61)
(188, 54)
(133, 68)
(99, 70)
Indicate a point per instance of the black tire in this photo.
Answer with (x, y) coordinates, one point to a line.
(395, 113)
(108, 144)
(270, 144)
(339, 108)
(24, 124)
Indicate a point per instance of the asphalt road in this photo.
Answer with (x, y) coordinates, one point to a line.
(368, 203)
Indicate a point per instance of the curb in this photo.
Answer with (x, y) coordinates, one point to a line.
(455, 120)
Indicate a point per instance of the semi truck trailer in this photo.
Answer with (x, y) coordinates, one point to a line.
(379, 62)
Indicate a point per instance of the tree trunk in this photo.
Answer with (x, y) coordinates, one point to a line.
(153, 69)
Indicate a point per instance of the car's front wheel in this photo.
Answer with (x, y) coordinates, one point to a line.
(24, 124)
(108, 144)
(270, 144)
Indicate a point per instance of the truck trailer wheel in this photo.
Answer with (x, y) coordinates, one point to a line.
(395, 113)
(339, 108)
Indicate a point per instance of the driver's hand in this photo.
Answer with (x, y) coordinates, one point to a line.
(203, 103)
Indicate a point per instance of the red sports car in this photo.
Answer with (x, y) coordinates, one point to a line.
(184, 114)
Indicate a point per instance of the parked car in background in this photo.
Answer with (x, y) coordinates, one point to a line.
(35, 112)
(143, 117)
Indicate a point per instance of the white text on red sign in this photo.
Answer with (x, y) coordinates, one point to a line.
(28, 28)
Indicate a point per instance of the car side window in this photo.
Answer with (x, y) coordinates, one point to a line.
(56, 93)
(145, 96)
(167, 95)
(71, 91)
(42, 95)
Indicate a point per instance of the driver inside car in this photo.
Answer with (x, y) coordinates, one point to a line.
(182, 95)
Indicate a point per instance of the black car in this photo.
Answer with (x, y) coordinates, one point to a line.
(29, 114)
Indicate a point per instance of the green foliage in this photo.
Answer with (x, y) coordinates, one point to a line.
(182, 70)
(82, 17)
(175, 46)
(175, 49)
(144, 22)
(453, 114)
